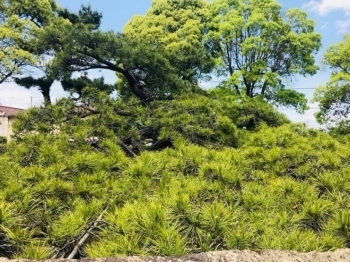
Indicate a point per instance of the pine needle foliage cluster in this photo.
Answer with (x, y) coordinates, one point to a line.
(221, 182)
(167, 168)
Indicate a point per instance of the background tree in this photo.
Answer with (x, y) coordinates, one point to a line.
(166, 59)
(78, 85)
(20, 23)
(177, 29)
(86, 16)
(334, 97)
(257, 47)
(43, 84)
(23, 23)
(149, 75)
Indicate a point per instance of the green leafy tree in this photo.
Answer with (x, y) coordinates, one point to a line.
(334, 97)
(177, 28)
(28, 21)
(84, 16)
(258, 47)
(246, 112)
(150, 67)
(20, 25)
(79, 48)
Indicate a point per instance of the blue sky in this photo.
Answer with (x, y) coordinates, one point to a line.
(332, 21)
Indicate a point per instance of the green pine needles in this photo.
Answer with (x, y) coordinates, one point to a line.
(70, 186)
(168, 168)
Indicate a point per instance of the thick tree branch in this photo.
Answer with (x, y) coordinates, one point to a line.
(108, 64)
(86, 235)
(5, 77)
(264, 88)
(136, 87)
(126, 148)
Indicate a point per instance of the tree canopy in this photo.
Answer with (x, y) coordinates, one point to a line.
(258, 47)
(172, 47)
(178, 29)
(333, 98)
(42, 83)
(147, 70)
(20, 26)
(25, 25)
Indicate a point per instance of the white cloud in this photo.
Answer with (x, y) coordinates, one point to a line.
(13, 95)
(323, 7)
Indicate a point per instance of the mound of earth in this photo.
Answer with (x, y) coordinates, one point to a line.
(229, 256)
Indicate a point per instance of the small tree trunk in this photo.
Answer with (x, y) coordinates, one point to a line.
(47, 98)
(137, 88)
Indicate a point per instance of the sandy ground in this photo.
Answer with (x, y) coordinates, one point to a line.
(232, 256)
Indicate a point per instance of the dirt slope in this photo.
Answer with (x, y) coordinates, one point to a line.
(232, 256)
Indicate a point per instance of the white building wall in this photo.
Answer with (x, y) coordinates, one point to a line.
(6, 127)
(9, 128)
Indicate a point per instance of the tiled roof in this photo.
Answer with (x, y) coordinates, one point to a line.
(9, 111)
